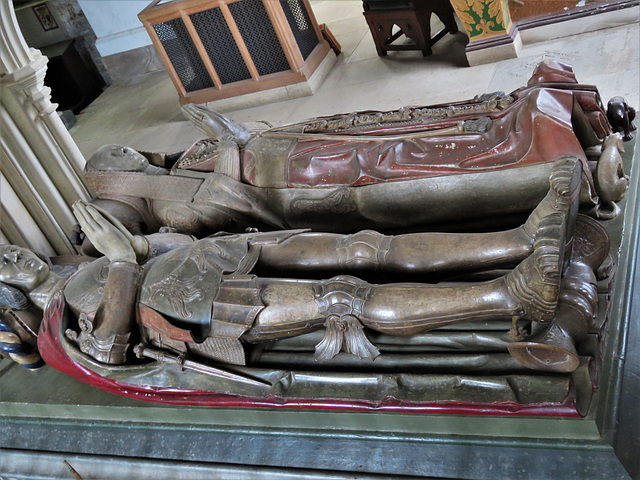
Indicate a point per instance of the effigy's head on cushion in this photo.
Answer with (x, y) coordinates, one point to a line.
(117, 158)
(21, 267)
(22, 274)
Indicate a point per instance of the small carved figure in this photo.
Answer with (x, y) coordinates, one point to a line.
(621, 117)
(611, 181)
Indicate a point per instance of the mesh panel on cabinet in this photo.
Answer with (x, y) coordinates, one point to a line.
(259, 36)
(220, 45)
(301, 26)
(183, 55)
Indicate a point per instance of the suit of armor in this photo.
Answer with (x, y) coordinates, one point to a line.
(207, 291)
(379, 170)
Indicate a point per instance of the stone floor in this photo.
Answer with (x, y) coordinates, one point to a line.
(145, 113)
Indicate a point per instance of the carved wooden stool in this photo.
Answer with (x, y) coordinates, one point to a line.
(412, 17)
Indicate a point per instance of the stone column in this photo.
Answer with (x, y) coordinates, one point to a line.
(492, 34)
(41, 164)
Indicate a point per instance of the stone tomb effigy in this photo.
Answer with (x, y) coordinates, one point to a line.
(506, 315)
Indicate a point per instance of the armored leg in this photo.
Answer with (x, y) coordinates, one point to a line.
(552, 347)
(345, 304)
(427, 252)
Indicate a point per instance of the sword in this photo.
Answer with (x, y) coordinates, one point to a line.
(182, 363)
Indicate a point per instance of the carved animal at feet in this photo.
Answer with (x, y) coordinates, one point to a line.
(611, 181)
(621, 117)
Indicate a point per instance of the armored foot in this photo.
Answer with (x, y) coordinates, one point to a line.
(563, 195)
(553, 349)
(535, 283)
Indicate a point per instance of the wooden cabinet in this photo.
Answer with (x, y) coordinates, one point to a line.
(215, 49)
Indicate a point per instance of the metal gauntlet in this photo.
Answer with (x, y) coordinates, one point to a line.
(106, 337)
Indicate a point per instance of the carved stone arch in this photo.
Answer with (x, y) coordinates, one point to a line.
(14, 51)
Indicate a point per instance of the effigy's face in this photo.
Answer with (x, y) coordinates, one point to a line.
(117, 158)
(21, 267)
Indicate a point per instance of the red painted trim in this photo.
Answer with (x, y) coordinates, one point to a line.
(55, 356)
